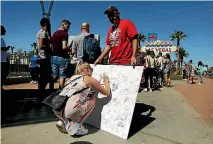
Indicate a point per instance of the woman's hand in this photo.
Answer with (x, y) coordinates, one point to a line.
(106, 79)
(107, 88)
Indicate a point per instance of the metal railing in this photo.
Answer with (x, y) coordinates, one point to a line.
(19, 64)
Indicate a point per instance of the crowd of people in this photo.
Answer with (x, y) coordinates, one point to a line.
(157, 70)
(189, 72)
(51, 61)
(54, 63)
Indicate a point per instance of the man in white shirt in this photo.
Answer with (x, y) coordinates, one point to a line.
(4, 57)
(160, 60)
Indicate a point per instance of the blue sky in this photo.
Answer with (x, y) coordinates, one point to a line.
(21, 19)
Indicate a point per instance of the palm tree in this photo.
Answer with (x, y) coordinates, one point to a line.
(178, 36)
(34, 45)
(141, 38)
(182, 55)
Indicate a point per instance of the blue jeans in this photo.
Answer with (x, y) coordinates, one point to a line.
(59, 66)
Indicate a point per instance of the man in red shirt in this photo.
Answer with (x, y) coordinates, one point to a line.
(60, 56)
(121, 40)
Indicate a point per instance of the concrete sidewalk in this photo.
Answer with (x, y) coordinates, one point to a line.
(172, 121)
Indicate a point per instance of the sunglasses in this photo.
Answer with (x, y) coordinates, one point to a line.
(111, 14)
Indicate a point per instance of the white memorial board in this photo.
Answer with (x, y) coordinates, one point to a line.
(114, 114)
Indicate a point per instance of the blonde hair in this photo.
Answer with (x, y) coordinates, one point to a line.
(80, 66)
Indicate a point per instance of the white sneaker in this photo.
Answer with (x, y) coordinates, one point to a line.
(145, 90)
(72, 127)
(35, 82)
(200, 83)
(150, 90)
(61, 127)
(82, 130)
(32, 81)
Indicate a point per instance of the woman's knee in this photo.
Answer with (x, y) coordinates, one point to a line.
(72, 114)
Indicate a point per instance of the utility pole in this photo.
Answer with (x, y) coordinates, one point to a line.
(46, 15)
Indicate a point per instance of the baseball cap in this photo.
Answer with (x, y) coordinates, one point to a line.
(110, 9)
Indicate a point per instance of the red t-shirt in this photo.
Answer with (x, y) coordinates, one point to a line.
(57, 39)
(120, 41)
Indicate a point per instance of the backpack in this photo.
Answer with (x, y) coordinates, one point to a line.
(91, 49)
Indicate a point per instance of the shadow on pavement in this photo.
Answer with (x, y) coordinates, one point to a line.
(141, 120)
(19, 108)
(81, 142)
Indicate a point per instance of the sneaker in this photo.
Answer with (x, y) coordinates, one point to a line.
(161, 88)
(35, 82)
(150, 90)
(32, 81)
(61, 127)
(199, 83)
(82, 130)
(72, 127)
(145, 90)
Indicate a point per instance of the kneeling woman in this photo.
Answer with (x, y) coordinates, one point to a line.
(79, 106)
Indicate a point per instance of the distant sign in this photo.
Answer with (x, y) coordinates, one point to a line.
(152, 37)
(159, 46)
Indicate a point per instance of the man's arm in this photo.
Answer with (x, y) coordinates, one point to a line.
(73, 46)
(135, 46)
(104, 53)
(5, 48)
(64, 43)
(133, 34)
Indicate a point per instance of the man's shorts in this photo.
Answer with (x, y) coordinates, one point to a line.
(59, 66)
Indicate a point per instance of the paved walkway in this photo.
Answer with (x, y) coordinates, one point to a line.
(200, 97)
(160, 118)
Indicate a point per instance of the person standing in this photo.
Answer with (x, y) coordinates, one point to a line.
(80, 49)
(121, 39)
(200, 71)
(149, 71)
(189, 72)
(34, 66)
(160, 60)
(60, 50)
(44, 52)
(4, 57)
(167, 70)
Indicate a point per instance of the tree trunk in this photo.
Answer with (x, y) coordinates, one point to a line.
(177, 72)
(181, 65)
